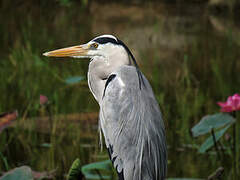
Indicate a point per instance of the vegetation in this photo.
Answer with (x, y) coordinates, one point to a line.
(188, 83)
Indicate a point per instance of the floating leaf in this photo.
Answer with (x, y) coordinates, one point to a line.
(73, 80)
(25, 173)
(92, 171)
(6, 119)
(75, 171)
(211, 122)
(20, 173)
(210, 142)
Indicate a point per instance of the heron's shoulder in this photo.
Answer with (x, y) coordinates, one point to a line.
(126, 80)
(126, 73)
(123, 79)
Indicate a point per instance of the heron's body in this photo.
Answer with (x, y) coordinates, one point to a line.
(136, 154)
(130, 118)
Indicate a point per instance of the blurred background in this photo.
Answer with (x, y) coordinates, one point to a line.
(188, 49)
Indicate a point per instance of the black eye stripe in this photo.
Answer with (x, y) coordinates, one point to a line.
(104, 40)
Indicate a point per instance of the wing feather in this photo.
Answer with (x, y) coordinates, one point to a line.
(133, 127)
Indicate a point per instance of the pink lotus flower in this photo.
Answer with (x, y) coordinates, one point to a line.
(43, 99)
(232, 104)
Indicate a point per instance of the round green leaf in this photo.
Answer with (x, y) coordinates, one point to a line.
(209, 122)
(21, 173)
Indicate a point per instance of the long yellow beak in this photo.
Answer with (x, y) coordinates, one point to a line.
(73, 51)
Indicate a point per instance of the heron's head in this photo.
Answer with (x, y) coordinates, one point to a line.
(107, 54)
(105, 47)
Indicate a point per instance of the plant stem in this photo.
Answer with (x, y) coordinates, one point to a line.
(215, 144)
(99, 174)
(221, 147)
(237, 149)
(234, 152)
(50, 117)
(234, 149)
(4, 161)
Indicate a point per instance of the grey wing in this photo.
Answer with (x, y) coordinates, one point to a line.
(133, 127)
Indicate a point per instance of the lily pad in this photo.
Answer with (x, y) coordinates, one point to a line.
(73, 80)
(209, 122)
(92, 171)
(26, 173)
(210, 142)
(21, 173)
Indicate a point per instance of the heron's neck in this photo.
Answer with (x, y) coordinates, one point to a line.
(99, 70)
(96, 84)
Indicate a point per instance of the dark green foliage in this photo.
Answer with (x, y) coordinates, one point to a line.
(74, 172)
(98, 170)
(5, 163)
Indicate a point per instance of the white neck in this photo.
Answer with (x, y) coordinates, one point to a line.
(101, 67)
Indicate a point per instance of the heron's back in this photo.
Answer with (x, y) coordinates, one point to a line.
(133, 127)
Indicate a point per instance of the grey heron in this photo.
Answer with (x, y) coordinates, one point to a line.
(129, 118)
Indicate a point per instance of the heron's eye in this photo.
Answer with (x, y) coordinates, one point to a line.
(94, 45)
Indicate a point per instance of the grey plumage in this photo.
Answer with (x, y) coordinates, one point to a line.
(133, 127)
(129, 118)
